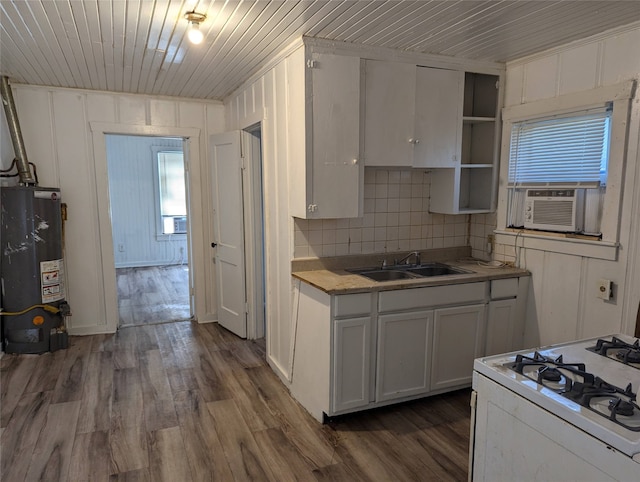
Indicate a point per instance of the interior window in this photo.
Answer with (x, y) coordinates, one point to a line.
(558, 171)
(172, 194)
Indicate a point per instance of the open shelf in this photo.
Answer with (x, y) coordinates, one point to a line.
(469, 186)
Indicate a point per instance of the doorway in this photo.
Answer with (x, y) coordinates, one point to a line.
(148, 202)
(238, 222)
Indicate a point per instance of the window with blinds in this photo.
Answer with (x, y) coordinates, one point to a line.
(571, 150)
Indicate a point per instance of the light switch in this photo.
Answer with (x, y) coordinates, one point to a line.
(604, 289)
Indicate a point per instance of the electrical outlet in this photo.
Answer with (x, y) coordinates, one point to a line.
(604, 289)
(490, 241)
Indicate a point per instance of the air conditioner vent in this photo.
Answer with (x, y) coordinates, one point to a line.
(180, 224)
(554, 209)
(553, 212)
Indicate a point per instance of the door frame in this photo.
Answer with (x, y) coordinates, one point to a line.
(253, 206)
(195, 234)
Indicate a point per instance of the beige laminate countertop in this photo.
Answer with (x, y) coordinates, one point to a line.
(339, 281)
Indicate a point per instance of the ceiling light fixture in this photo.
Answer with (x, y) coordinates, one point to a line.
(195, 19)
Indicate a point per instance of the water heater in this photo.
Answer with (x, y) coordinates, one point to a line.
(32, 279)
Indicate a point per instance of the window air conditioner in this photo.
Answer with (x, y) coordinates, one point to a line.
(180, 224)
(554, 209)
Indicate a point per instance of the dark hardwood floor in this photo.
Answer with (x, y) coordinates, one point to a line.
(187, 402)
(155, 294)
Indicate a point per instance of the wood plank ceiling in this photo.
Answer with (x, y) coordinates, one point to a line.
(140, 46)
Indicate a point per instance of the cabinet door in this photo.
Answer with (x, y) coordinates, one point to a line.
(333, 91)
(500, 326)
(389, 113)
(403, 355)
(457, 337)
(351, 363)
(438, 117)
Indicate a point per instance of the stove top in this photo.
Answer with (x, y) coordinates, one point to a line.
(592, 384)
(574, 382)
(617, 349)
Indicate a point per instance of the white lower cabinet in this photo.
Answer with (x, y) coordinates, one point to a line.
(457, 341)
(351, 363)
(501, 324)
(404, 351)
(364, 350)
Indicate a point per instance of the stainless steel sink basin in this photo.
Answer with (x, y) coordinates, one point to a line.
(407, 271)
(439, 270)
(385, 274)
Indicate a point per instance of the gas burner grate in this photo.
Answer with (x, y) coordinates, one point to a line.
(550, 372)
(616, 404)
(572, 381)
(619, 350)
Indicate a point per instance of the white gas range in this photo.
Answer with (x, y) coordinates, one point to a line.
(562, 412)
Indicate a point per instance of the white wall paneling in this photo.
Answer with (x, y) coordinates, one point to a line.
(270, 106)
(56, 126)
(562, 303)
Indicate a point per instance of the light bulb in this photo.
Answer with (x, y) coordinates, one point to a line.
(195, 34)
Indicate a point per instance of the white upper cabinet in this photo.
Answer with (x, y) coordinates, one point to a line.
(445, 119)
(412, 115)
(438, 122)
(389, 113)
(326, 175)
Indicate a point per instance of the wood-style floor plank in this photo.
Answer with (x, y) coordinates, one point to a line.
(167, 457)
(93, 447)
(284, 459)
(15, 378)
(159, 410)
(21, 435)
(95, 412)
(52, 454)
(200, 438)
(183, 401)
(47, 363)
(240, 448)
(128, 437)
(303, 431)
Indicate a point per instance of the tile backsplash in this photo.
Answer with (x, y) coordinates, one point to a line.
(396, 218)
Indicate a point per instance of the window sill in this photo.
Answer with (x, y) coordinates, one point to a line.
(585, 247)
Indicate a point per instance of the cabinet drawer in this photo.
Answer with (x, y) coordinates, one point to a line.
(504, 288)
(349, 305)
(416, 298)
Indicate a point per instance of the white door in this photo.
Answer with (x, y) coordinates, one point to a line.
(228, 224)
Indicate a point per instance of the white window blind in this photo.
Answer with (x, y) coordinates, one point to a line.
(570, 150)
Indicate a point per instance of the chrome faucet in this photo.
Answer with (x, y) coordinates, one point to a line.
(406, 258)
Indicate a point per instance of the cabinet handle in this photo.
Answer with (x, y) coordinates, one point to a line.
(414, 141)
(354, 161)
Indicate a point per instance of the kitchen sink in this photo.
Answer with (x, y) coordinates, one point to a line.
(384, 274)
(438, 270)
(407, 271)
